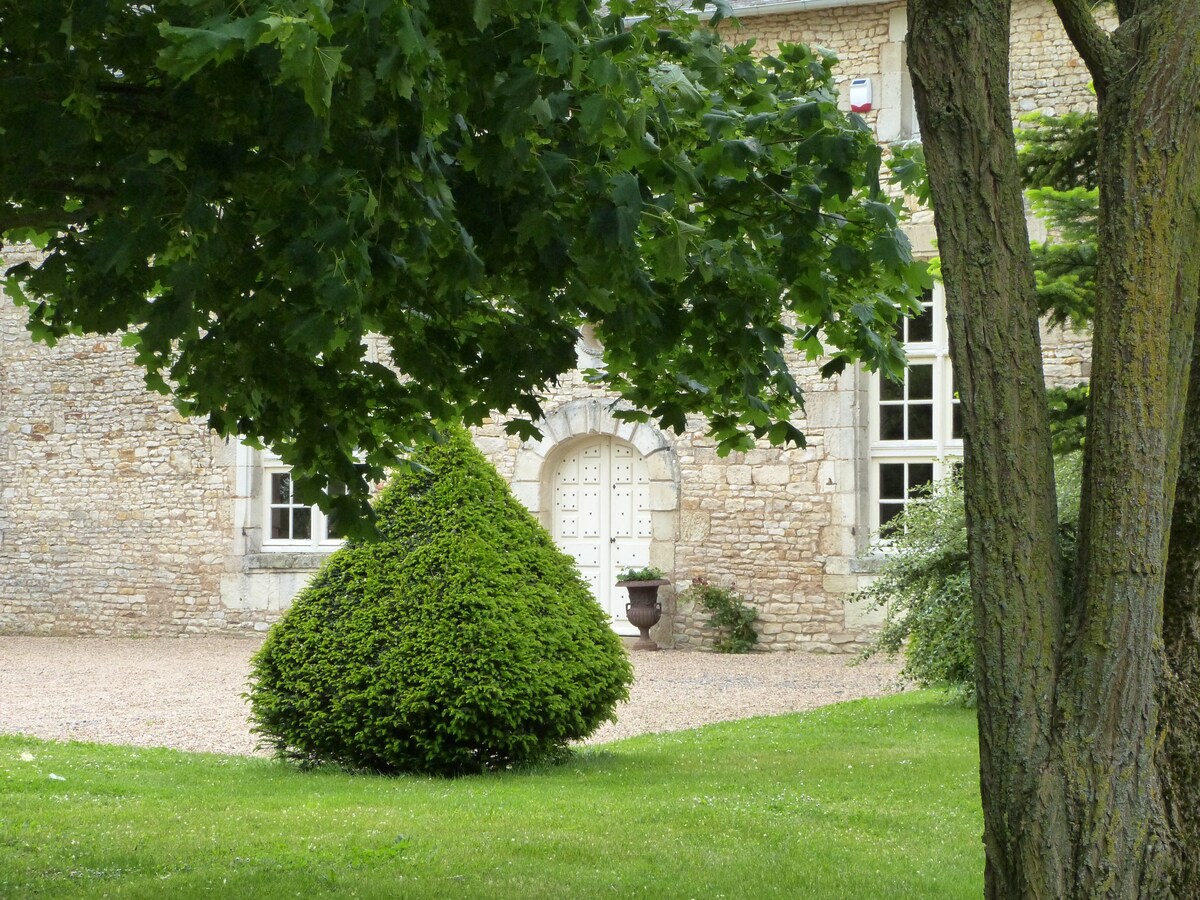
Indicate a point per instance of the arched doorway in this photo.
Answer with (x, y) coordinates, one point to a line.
(573, 428)
(600, 496)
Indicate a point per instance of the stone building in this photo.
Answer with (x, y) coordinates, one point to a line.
(117, 516)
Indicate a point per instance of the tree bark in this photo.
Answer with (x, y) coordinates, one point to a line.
(958, 52)
(1068, 685)
(1142, 347)
(1179, 691)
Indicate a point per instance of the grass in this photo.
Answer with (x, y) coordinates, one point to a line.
(861, 800)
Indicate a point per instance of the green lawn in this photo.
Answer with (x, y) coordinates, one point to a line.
(866, 799)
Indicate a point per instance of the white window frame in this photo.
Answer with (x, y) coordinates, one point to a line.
(318, 540)
(942, 450)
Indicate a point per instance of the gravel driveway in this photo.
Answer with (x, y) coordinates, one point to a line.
(186, 693)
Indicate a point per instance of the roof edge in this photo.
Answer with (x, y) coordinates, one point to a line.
(746, 9)
(777, 7)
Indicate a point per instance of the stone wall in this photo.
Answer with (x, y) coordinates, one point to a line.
(776, 525)
(114, 512)
(1047, 73)
(857, 34)
(1066, 356)
(119, 516)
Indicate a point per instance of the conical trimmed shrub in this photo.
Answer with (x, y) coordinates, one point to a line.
(463, 640)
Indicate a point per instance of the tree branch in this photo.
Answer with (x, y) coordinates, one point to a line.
(1094, 44)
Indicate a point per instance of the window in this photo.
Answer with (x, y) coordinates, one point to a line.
(916, 424)
(906, 409)
(288, 524)
(899, 482)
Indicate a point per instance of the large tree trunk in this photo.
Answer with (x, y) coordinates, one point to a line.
(958, 52)
(1146, 80)
(1179, 691)
(1067, 691)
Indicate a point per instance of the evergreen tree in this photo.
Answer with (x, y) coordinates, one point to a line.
(461, 640)
(1058, 161)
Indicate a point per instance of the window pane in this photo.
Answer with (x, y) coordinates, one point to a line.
(891, 423)
(920, 382)
(301, 523)
(280, 524)
(891, 481)
(920, 329)
(919, 475)
(887, 512)
(920, 422)
(956, 421)
(333, 531)
(281, 488)
(890, 390)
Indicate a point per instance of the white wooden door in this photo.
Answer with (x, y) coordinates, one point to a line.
(602, 517)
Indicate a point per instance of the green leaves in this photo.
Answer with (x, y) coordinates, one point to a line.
(892, 248)
(1058, 155)
(481, 12)
(729, 614)
(672, 81)
(255, 190)
(907, 170)
(559, 48)
(461, 641)
(1059, 152)
(305, 62)
(627, 199)
(189, 50)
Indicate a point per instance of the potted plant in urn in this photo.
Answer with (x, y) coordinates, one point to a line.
(643, 609)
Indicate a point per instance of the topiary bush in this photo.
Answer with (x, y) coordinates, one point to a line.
(462, 640)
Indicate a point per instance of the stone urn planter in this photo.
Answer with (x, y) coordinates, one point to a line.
(643, 609)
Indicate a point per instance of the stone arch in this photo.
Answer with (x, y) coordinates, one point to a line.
(578, 419)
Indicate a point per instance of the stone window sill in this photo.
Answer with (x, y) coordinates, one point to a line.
(867, 565)
(308, 561)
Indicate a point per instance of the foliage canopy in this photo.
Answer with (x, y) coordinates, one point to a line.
(251, 190)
